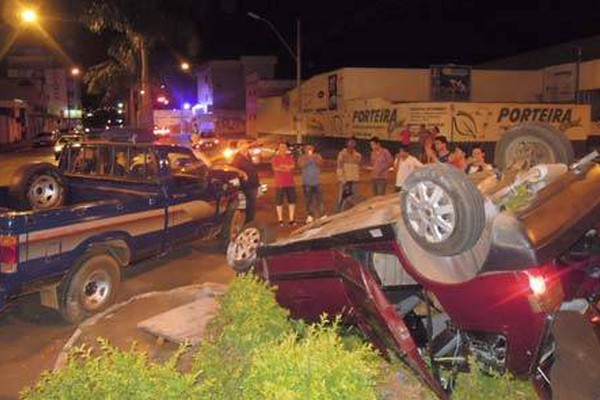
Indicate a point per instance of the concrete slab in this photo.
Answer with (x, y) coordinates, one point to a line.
(184, 324)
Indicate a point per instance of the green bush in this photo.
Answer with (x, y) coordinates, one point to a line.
(480, 385)
(254, 351)
(249, 318)
(114, 374)
(317, 366)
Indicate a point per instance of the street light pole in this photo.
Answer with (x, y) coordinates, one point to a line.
(68, 103)
(298, 83)
(297, 57)
(71, 83)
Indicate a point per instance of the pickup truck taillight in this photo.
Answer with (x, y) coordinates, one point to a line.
(9, 254)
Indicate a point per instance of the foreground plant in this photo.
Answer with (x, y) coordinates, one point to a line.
(316, 366)
(253, 350)
(113, 374)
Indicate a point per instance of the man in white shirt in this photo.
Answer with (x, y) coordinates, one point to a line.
(404, 165)
(348, 171)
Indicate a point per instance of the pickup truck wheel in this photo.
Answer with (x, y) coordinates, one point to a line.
(39, 187)
(242, 250)
(533, 144)
(90, 288)
(442, 209)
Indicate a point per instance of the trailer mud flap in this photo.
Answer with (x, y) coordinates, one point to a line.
(576, 370)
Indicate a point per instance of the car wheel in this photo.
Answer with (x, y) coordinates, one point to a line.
(442, 209)
(533, 144)
(38, 188)
(242, 250)
(90, 288)
(351, 201)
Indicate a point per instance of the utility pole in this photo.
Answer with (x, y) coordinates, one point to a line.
(297, 57)
(68, 82)
(577, 72)
(299, 116)
(146, 117)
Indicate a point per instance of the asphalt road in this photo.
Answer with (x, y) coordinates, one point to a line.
(32, 336)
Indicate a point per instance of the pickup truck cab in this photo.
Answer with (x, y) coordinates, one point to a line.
(124, 201)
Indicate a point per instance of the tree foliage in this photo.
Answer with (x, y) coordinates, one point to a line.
(129, 24)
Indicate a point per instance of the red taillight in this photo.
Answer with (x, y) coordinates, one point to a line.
(546, 294)
(9, 254)
(537, 284)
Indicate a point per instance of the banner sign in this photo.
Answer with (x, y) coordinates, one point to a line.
(459, 122)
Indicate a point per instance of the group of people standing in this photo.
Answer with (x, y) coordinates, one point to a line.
(440, 151)
(284, 167)
(348, 165)
(434, 148)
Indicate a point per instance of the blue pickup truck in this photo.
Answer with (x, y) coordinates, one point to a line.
(109, 203)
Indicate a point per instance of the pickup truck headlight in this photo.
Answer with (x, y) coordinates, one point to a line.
(228, 153)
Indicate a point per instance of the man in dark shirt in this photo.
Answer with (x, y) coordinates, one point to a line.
(250, 186)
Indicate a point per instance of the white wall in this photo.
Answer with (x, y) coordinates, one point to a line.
(393, 84)
(506, 86)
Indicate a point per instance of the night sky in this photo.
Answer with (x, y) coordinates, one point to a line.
(340, 33)
(391, 33)
(398, 33)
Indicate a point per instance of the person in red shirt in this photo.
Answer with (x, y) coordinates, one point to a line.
(283, 169)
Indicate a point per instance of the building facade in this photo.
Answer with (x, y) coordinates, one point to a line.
(222, 92)
(51, 90)
(335, 95)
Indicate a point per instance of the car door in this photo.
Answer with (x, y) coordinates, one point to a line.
(192, 201)
(129, 175)
(336, 281)
(379, 319)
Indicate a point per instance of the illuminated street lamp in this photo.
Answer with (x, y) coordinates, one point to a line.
(29, 15)
(185, 66)
(75, 71)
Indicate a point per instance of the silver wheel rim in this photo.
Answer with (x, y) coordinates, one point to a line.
(96, 290)
(244, 246)
(430, 212)
(531, 150)
(44, 192)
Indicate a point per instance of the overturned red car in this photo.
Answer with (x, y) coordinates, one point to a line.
(445, 270)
